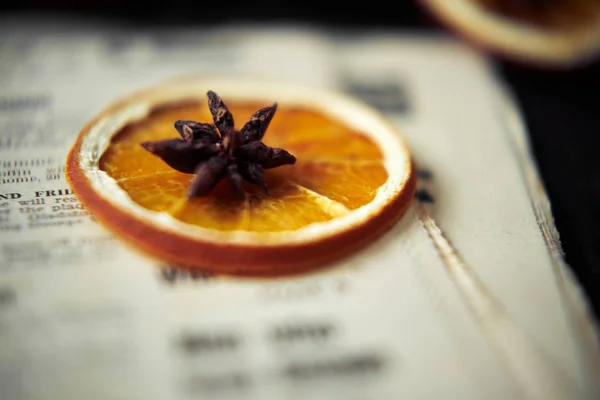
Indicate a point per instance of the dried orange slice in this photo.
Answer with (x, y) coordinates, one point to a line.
(553, 33)
(352, 181)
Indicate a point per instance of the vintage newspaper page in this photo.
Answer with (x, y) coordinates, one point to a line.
(468, 297)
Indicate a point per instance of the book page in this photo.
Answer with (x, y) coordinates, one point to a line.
(467, 297)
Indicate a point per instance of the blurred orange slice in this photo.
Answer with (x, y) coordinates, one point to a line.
(353, 179)
(551, 33)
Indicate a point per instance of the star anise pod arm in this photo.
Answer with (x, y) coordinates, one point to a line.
(181, 155)
(235, 179)
(277, 157)
(257, 125)
(253, 173)
(221, 115)
(208, 174)
(265, 156)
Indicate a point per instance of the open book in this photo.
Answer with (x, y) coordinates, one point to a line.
(468, 297)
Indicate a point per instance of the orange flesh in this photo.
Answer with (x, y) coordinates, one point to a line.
(338, 170)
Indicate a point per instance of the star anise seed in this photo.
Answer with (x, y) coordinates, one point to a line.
(196, 130)
(216, 151)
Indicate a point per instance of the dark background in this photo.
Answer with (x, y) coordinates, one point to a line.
(561, 107)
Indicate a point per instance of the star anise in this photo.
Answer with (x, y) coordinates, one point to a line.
(216, 151)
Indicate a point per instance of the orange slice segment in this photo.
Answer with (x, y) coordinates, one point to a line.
(352, 181)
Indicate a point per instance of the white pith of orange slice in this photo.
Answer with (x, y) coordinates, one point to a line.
(227, 249)
(520, 40)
